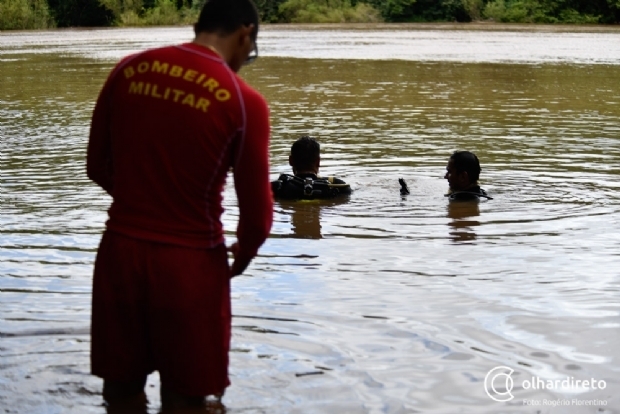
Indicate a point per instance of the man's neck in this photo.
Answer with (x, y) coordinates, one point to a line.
(213, 42)
(472, 186)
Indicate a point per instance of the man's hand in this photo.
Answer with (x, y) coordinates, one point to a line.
(240, 263)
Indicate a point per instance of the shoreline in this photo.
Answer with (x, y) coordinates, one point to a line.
(471, 26)
(437, 26)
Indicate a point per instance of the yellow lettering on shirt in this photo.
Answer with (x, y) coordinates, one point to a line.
(159, 67)
(143, 67)
(176, 71)
(211, 84)
(129, 72)
(154, 93)
(222, 95)
(189, 100)
(202, 104)
(136, 87)
(177, 94)
(166, 91)
(190, 75)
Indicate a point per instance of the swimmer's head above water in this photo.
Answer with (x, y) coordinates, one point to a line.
(462, 171)
(305, 156)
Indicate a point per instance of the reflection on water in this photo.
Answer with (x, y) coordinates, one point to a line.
(402, 303)
(306, 220)
(305, 215)
(463, 224)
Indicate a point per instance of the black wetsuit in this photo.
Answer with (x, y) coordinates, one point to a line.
(471, 194)
(308, 186)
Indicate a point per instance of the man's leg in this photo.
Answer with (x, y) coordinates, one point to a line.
(120, 353)
(125, 397)
(189, 299)
(122, 390)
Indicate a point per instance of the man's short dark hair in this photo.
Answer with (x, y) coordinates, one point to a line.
(226, 16)
(305, 152)
(468, 162)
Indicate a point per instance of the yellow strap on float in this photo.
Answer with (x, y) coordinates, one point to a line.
(330, 180)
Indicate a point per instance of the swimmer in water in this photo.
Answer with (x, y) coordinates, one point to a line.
(462, 173)
(305, 183)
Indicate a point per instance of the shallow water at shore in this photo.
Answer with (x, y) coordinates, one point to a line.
(372, 304)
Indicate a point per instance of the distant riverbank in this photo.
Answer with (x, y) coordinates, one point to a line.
(484, 26)
(471, 26)
(45, 14)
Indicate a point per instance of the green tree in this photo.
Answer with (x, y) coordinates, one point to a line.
(326, 11)
(71, 13)
(614, 15)
(473, 8)
(394, 10)
(120, 8)
(442, 10)
(268, 10)
(25, 14)
(548, 11)
(170, 12)
(38, 14)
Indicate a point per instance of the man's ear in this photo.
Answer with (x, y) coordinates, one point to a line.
(246, 33)
(465, 175)
(250, 28)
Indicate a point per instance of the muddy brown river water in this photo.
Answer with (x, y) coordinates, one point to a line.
(373, 304)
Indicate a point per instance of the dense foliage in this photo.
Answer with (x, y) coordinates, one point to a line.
(25, 14)
(39, 14)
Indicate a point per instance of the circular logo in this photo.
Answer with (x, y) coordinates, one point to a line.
(499, 377)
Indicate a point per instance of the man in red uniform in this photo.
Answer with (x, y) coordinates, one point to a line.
(167, 127)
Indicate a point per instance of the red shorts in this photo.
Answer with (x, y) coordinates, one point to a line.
(161, 307)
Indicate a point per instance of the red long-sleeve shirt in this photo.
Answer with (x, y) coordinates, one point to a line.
(168, 125)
